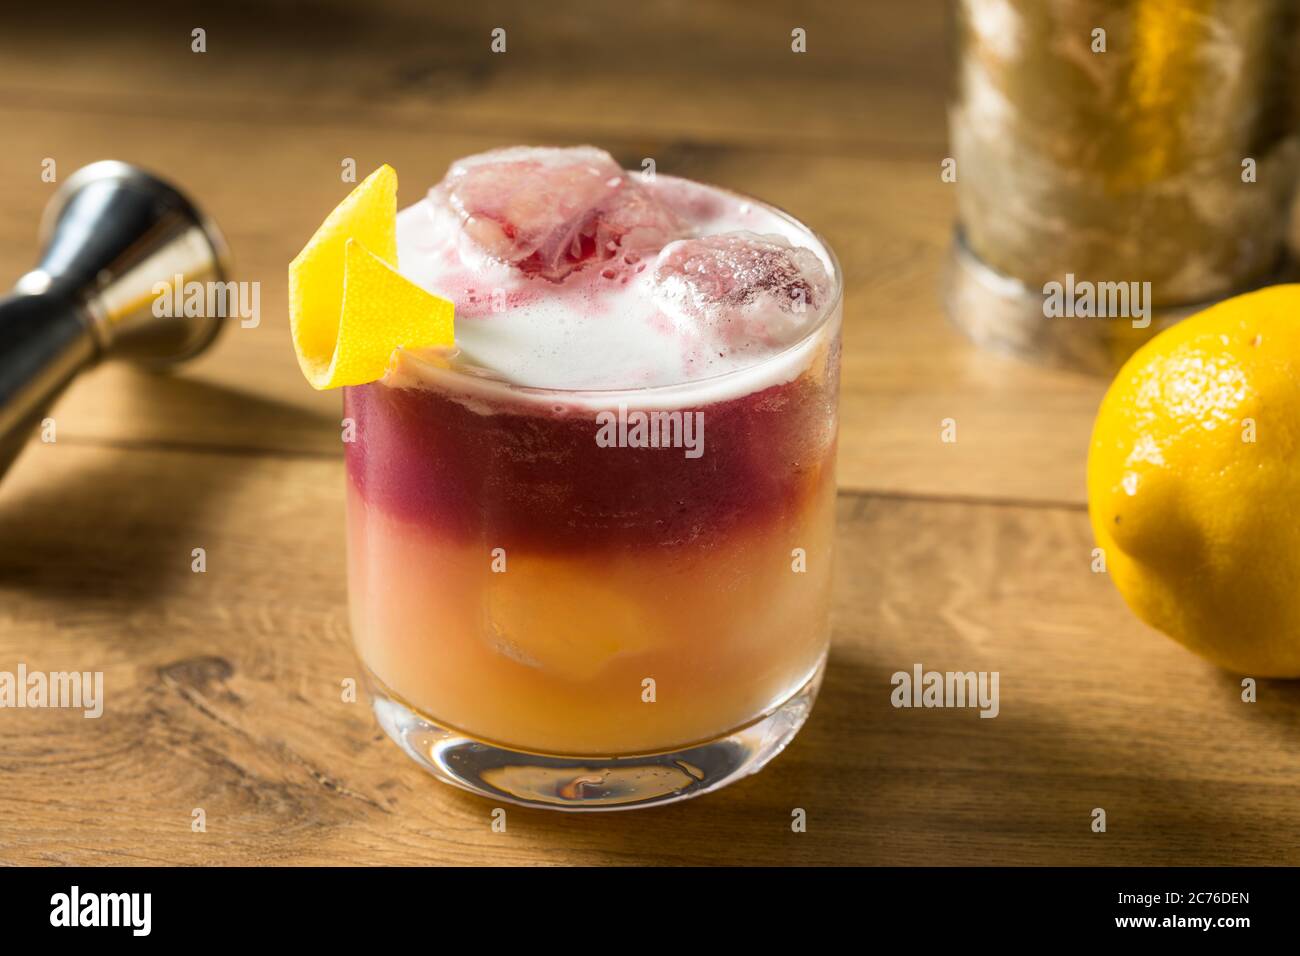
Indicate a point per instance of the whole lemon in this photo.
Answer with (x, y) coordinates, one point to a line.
(1194, 482)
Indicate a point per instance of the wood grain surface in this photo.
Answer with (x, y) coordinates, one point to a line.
(223, 687)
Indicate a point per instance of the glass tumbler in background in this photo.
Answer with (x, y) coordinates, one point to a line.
(1118, 142)
(551, 613)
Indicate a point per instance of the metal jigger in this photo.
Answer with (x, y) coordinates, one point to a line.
(111, 235)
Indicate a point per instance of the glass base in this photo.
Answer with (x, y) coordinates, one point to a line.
(591, 783)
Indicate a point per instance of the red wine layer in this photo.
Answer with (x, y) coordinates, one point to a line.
(524, 479)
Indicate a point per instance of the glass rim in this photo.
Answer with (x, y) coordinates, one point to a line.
(452, 375)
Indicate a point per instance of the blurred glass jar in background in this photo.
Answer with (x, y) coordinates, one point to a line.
(1117, 141)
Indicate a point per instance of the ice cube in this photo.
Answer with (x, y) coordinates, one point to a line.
(549, 211)
(740, 290)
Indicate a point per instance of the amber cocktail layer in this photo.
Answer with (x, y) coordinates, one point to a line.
(621, 565)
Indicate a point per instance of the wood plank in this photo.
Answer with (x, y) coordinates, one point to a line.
(680, 71)
(1022, 431)
(223, 693)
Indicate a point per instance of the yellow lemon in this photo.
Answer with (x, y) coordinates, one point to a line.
(1194, 482)
(349, 309)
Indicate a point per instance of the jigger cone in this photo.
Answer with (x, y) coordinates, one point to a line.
(110, 236)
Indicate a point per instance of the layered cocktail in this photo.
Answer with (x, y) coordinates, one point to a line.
(590, 546)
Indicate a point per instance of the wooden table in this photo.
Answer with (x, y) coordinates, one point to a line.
(223, 687)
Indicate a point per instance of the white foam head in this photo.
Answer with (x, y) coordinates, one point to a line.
(640, 284)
